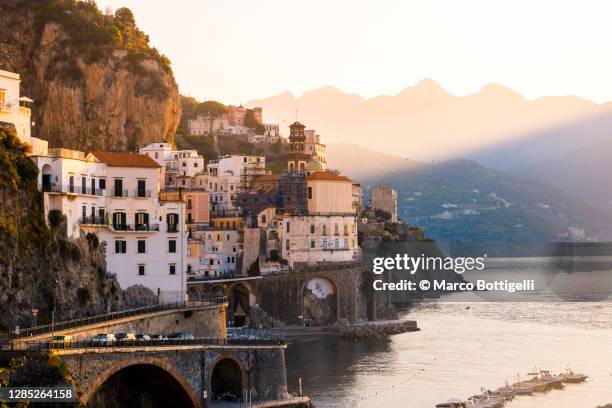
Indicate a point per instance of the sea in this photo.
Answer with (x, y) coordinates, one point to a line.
(471, 342)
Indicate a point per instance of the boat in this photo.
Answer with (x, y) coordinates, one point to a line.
(485, 401)
(507, 391)
(536, 383)
(570, 377)
(552, 380)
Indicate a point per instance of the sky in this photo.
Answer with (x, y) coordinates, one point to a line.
(238, 50)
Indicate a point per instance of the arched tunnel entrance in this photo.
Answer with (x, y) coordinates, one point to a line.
(141, 385)
(226, 381)
(240, 304)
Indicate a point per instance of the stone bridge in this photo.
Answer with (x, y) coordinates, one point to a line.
(179, 376)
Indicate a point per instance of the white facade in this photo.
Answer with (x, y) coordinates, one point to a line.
(115, 196)
(203, 126)
(13, 110)
(174, 163)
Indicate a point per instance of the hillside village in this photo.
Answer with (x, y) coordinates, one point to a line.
(170, 219)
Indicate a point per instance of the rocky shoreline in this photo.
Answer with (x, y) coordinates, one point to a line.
(377, 329)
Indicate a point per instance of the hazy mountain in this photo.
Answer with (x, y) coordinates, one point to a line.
(362, 164)
(585, 172)
(460, 200)
(425, 122)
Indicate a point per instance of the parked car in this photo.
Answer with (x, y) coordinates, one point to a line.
(125, 336)
(158, 337)
(66, 338)
(181, 336)
(141, 337)
(104, 338)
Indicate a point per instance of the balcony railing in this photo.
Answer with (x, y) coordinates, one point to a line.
(94, 220)
(136, 227)
(62, 188)
(172, 227)
(119, 193)
(142, 193)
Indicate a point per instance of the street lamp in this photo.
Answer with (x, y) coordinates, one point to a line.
(54, 307)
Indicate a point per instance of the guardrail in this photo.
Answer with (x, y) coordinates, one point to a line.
(85, 321)
(201, 341)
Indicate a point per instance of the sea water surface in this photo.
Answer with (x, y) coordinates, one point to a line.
(463, 346)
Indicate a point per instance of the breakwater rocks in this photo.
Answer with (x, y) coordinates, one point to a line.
(374, 329)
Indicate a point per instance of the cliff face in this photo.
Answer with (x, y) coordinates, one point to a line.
(96, 83)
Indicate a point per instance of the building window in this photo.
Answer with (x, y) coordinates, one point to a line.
(71, 184)
(102, 184)
(287, 245)
(156, 155)
(83, 185)
(288, 229)
(336, 230)
(141, 188)
(346, 243)
(310, 193)
(120, 246)
(346, 230)
(141, 269)
(172, 246)
(324, 229)
(312, 244)
(312, 229)
(172, 269)
(141, 246)
(118, 188)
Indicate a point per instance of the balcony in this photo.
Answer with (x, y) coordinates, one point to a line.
(72, 189)
(94, 221)
(139, 193)
(119, 193)
(136, 227)
(172, 227)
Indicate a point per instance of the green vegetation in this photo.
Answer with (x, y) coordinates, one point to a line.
(83, 296)
(44, 369)
(93, 36)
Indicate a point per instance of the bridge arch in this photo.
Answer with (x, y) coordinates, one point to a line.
(227, 377)
(168, 386)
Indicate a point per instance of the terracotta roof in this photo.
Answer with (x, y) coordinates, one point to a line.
(125, 159)
(327, 176)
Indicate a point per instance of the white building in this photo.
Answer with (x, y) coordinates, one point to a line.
(175, 164)
(115, 196)
(203, 126)
(13, 110)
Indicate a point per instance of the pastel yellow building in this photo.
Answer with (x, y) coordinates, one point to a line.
(329, 193)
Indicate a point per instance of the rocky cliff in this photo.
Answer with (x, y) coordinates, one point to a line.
(96, 82)
(39, 266)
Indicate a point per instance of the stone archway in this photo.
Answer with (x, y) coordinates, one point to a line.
(194, 293)
(227, 379)
(154, 383)
(319, 301)
(240, 294)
